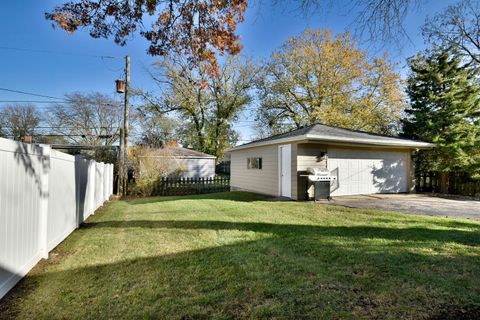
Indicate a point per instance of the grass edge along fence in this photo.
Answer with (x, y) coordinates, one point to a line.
(188, 186)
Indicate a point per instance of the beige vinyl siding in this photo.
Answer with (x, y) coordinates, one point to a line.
(307, 156)
(294, 171)
(264, 180)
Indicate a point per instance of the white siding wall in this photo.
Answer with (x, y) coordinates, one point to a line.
(43, 194)
(198, 167)
(308, 155)
(262, 181)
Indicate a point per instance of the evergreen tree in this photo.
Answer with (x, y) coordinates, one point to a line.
(444, 109)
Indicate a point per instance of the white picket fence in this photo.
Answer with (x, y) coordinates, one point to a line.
(44, 195)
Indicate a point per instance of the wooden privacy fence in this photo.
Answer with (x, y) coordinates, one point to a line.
(427, 182)
(460, 183)
(44, 195)
(187, 186)
(457, 183)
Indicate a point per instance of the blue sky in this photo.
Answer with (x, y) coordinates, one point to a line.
(22, 25)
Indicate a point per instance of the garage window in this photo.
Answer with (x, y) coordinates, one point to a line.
(254, 163)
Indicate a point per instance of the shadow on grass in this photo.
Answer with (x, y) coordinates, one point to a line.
(230, 196)
(289, 271)
(404, 234)
(289, 277)
(441, 222)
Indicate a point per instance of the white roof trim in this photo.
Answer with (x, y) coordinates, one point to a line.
(381, 143)
(400, 142)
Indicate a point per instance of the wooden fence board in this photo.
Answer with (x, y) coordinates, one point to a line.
(459, 183)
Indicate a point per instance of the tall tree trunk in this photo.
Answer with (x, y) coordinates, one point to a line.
(199, 132)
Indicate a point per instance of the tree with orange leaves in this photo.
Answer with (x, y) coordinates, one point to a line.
(197, 29)
(200, 29)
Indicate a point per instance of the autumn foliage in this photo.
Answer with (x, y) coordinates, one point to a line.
(320, 77)
(194, 28)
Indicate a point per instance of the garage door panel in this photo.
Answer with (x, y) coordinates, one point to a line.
(389, 178)
(366, 171)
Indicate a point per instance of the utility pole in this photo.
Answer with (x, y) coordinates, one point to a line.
(123, 170)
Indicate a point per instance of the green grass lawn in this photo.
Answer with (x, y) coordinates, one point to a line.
(234, 255)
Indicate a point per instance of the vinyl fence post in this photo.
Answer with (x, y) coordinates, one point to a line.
(44, 195)
(105, 182)
(79, 167)
(109, 183)
(91, 193)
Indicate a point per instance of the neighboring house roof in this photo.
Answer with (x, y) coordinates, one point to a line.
(180, 152)
(190, 153)
(329, 134)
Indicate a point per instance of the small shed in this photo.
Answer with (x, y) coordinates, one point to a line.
(194, 164)
(184, 163)
(362, 162)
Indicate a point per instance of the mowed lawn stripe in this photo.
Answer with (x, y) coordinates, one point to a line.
(236, 255)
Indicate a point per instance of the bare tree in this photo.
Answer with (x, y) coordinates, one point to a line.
(92, 119)
(383, 20)
(377, 21)
(19, 120)
(458, 28)
(156, 128)
(207, 106)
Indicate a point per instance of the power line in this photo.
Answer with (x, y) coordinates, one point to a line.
(108, 68)
(31, 94)
(27, 101)
(62, 103)
(58, 52)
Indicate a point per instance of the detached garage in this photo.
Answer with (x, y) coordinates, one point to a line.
(355, 162)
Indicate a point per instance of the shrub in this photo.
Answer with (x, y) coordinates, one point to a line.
(150, 165)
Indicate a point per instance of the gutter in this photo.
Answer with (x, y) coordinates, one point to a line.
(400, 143)
(309, 137)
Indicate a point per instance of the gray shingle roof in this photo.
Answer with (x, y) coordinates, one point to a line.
(181, 152)
(335, 134)
(184, 152)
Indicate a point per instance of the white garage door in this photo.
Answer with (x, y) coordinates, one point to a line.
(367, 172)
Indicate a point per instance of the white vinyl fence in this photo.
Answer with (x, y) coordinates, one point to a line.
(44, 195)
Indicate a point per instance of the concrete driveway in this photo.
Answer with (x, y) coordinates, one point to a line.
(450, 207)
